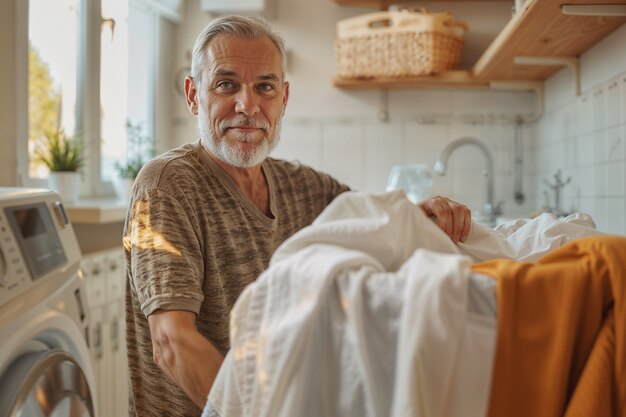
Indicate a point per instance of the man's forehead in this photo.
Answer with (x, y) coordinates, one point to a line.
(227, 52)
(224, 71)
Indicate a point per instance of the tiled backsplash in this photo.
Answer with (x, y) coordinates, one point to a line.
(585, 138)
(361, 152)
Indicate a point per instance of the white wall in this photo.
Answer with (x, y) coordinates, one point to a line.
(339, 132)
(585, 136)
(165, 87)
(361, 151)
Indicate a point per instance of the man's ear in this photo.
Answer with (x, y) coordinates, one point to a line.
(191, 95)
(285, 96)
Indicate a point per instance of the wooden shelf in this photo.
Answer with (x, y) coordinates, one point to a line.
(450, 79)
(376, 4)
(540, 29)
(383, 4)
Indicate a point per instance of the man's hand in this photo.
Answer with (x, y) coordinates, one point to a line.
(453, 218)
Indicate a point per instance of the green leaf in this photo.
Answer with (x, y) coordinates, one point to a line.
(140, 150)
(60, 152)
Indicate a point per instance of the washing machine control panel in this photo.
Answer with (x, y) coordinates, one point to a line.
(13, 272)
(33, 241)
(3, 270)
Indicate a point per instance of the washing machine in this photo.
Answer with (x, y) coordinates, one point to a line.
(45, 367)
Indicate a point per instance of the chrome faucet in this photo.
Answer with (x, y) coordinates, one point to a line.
(556, 187)
(490, 209)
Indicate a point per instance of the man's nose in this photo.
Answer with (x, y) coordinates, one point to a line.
(247, 102)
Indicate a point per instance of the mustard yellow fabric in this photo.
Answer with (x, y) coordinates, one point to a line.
(561, 332)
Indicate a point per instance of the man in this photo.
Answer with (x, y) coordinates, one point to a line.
(205, 218)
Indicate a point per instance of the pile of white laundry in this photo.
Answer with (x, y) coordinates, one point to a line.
(374, 311)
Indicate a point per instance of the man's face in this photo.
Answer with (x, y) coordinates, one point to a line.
(241, 99)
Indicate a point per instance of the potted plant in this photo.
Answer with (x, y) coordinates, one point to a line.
(62, 154)
(140, 150)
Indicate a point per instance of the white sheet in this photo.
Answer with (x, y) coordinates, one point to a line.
(355, 219)
(354, 317)
(526, 239)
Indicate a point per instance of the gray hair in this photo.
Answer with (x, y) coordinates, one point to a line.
(238, 26)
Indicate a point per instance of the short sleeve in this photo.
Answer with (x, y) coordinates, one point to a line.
(165, 251)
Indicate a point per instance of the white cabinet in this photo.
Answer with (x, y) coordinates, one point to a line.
(104, 278)
(98, 359)
(118, 376)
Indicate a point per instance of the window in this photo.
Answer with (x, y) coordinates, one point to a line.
(52, 72)
(114, 68)
(76, 44)
(127, 79)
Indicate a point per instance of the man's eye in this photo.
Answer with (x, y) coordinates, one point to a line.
(225, 85)
(266, 87)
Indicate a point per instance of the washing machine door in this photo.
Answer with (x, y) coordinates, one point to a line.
(46, 384)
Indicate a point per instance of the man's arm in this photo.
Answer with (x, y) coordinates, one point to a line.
(186, 357)
(453, 218)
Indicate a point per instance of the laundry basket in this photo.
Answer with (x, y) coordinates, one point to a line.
(398, 44)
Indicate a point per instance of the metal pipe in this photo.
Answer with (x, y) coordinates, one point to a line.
(519, 162)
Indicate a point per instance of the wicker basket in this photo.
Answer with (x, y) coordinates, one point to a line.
(398, 44)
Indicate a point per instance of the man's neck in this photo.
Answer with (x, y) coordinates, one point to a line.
(250, 181)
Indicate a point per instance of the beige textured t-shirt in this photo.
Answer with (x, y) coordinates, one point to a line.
(193, 242)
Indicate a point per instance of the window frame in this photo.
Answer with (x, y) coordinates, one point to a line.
(88, 121)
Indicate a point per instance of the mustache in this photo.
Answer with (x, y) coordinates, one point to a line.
(238, 121)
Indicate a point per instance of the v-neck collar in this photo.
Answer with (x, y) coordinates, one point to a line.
(234, 189)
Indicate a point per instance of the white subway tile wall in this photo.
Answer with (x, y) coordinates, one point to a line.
(585, 138)
(362, 152)
(384, 147)
(303, 140)
(343, 150)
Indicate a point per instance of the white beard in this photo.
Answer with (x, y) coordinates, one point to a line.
(235, 155)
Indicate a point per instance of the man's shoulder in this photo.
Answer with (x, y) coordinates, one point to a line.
(301, 175)
(179, 161)
(173, 158)
(293, 169)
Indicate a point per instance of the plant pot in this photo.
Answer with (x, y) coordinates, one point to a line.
(66, 184)
(123, 187)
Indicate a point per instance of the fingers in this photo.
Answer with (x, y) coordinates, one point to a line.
(467, 225)
(453, 218)
(445, 217)
(462, 222)
(439, 208)
(458, 221)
